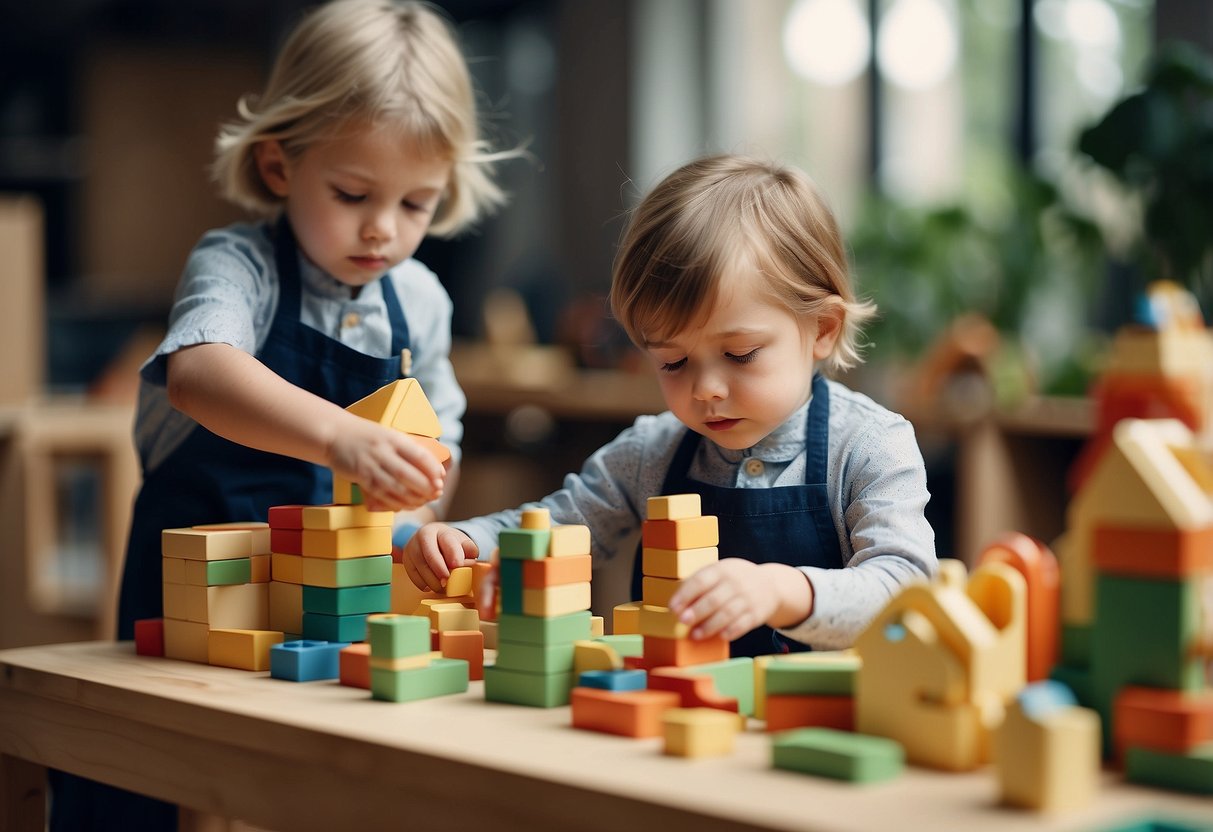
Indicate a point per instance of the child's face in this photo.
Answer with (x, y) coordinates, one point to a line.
(742, 371)
(358, 204)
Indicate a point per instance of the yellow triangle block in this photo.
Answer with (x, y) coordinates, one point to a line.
(401, 405)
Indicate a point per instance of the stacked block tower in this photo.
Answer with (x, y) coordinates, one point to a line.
(544, 590)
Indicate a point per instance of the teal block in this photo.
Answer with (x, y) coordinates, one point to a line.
(795, 678)
(516, 687)
(734, 680)
(348, 600)
(1076, 645)
(1191, 772)
(841, 755)
(229, 572)
(523, 544)
(625, 644)
(509, 587)
(1078, 680)
(616, 680)
(531, 629)
(443, 677)
(320, 627)
(535, 658)
(1162, 825)
(398, 636)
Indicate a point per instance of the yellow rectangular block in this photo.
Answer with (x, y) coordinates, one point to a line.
(243, 607)
(260, 533)
(459, 583)
(331, 518)
(343, 491)
(172, 570)
(556, 600)
(674, 507)
(687, 533)
(454, 617)
(625, 619)
(185, 640)
(261, 566)
(241, 649)
(699, 732)
(677, 563)
(286, 607)
(659, 621)
(347, 543)
(286, 568)
(404, 662)
(597, 626)
(203, 544)
(659, 591)
(568, 541)
(176, 601)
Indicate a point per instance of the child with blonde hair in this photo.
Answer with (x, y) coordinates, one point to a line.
(732, 277)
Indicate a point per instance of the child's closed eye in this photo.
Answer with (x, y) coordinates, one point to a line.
(744, 358)
(347, 197)
(673, 366)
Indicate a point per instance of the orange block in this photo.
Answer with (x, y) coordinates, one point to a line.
(687, 533)
(484, 589)
(681, 652)
(1162, 720)
(633, 713)
(785, 711)
(1153, 553)
(571, 569)
(354, 666)
(467, 645)
(1038, 565)
(694, 691)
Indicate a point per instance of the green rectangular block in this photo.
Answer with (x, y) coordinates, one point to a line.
(343, 572)
(349, 600)
(1078, 680)
(531, 629)
(795, 678)
(535, 658)
(228, 572)
(625, 644)
(509, 588)
(523, 544)
(841, 755)
(398, 636)
(1076, 645)
(734, 679)
(320, 627)
(1191, 772)
(442, 678)
(517, 687)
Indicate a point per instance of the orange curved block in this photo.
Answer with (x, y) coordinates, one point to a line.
(694, 690)
(1038, 565)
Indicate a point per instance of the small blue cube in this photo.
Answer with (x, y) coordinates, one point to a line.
(617, 680)
(306, 661)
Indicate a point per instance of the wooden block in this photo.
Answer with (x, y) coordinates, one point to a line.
(401, 405)
(286, 541)
(185, 640)
(347, 543)
(1041, 573)
(1153, 553)
(536, 658)
(556, 600)
(489, 630)
(677, 563)
(484, 589)
(616, 680)
(523, 544)
(833, 677)
(286, 607)
(536, 519)
(459, 583)
(659, 622)
(531, 630)
(636, 713)
(837, 754)
(260, 569)
(149, 637)
(694, 691)
(625, 619)
(537, 690)
(442, 677)
(624, 644)
(467, 645)
(349, 600)
(347, 571)
(286, 568)
(674, 507)
(334, 517)
(306, 661)
(175, 601)
(1162, 720)
(597, 626)
(569, 541)
(669, 652)
(784, 711)
(260, 532)
(594, 655)
(337, 628)
(659, 591)
(573, 569)
(393, 636)
(286, 517)
(346, 492)
(406, 597)
(734, 679)
(195, 544)
(1188, 772)
(219, 572)
(172, 570)
(354, 666)
(698, 732)
(452, 616)
(404, 662)
(241, 649)
(687, 533)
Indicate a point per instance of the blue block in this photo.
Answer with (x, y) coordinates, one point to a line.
(320, 627)
(305, 661)
(614, 679)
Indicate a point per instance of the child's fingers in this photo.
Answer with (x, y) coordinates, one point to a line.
(410, 569)
(692, 589)
(421, 460)
(729, 619)
(457, 548)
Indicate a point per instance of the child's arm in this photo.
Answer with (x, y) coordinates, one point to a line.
(234, 395)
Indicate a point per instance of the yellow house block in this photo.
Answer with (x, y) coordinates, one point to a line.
(286, 568)
(677, 563)
(659, 591)
(286, 607)
(569, 540)
(594, 655)
(625, 619)
(331, 518)
(674, 507)
(401, 405)
(660, 622)
(347, 543)
(536, 518)
(186, 640)
(556, 600)
(259, 531)
(201, 544)
(241, 649)
(699, 732)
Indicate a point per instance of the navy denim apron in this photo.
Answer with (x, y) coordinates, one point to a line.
(209, 479)
(789, 524)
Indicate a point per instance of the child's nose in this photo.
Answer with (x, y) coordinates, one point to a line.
(708, 386)
(378, 227)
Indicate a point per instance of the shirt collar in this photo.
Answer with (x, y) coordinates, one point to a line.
(783, 444)
(318, 282)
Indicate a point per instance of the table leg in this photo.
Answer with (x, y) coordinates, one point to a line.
(22, 795)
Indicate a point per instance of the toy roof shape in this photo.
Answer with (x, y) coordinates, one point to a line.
(401, 405)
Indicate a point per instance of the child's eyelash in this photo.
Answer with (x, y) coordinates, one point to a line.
(673, 366)
(342, 196)
(746, 358)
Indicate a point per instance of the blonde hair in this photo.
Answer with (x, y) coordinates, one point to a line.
(720, 213)
(376, 62)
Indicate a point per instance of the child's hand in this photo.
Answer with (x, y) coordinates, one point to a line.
(393, 471)
(733, 596)
(433, 551)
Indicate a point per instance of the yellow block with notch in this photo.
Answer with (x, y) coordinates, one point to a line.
(331, 518)
(568, 541)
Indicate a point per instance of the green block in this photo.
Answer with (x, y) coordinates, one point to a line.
(362, 571)
(523, 544)
(350, 600)
(532, 629)
(229, 572)
(320, 627)
(509, 588)
(1161, 825)
(1191, 772)
(734, 679)
(355, 494)
(838, 754)
(1078, 680)
(1076, 645)
(625, 644)
(398, 636)
(535, 658)
(819, 680)
(442, 678)
(517, 687)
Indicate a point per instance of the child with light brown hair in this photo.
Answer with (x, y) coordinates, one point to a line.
(732, 277)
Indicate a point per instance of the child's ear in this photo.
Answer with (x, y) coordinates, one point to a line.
(829, 327)
(272, 165)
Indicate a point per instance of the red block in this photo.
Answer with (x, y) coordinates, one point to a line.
(682, 652)
(286, 517)
(1162, 720)
(785, 711)
(286, 541)
(1152, 553)
(149, 637)
(695, 691)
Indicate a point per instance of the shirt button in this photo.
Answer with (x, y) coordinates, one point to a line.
(754, 467)
(351, 319)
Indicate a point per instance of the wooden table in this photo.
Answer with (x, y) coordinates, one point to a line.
(320, 756)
